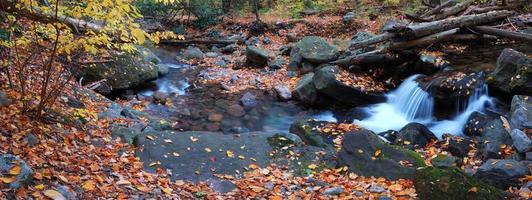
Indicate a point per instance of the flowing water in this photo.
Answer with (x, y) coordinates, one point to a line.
(410, 103)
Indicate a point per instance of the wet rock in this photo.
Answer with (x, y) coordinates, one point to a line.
(248, 100)
(148, 55)
(256, 57)
(415, 135)
(307, 67)
(215, 117)
(389, 135)
(112, 112)
(230, 48)
(376, 189)
(522, 142)
(122, 72)
(4, 100)
(159, 125)
(333, 191)
(316, 50)
(74, 103)
(326, 83)
(348, 17)
(162, 69)
(304, 128)
(24, 178)
(426, 64)
(459, 147)
(513, 73)
(452, 92)
(283, 92)
(126, 134)
(443, 161)
(493, 137)
(502, 173)
(476, 123)
(211, 55)
(358, 151)
(451, 183)
(236, 110)
(187, 159)
(277, 64)
(160, 97)
(192, 53)
(292, 137)
(521, 112)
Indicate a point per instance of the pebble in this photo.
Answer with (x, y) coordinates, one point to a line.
(333, 191)
(269, 185)
(376, 189)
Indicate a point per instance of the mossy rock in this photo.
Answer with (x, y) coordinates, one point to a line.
(451, 183)
(304, 129)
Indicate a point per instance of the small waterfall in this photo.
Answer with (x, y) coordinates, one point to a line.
(410, 103)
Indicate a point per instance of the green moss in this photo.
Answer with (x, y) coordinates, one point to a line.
(418, 160)
(451, 183)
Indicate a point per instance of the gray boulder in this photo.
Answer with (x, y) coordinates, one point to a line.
(513, 73)
(326, 83)
(316, 50)
(4, 100)
(493, 137)
(283, 92)
(23, 178)
(502, 173)
(522, 142)
(256, 57)
(521, 112)
(192, 53)
(122, 72)
(305, 91)
(358, 153)
(415, 135)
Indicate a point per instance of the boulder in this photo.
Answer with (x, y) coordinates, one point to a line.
(192, 53)
(426, 64)
(148, 55)
(415, 135)
(326, 83)
(459, 147)
(316, 50)
(494, 135)
(256, 57)
(4, 100)
(283, 92)
(444, 161)
(521, 141)
(476, 123)
(502, 173)
(521, 112)
(211, 54)
(122, 72)
(295, 59)
(358, 153)
(305, 129)
(23, 178)
(163, 69)
(451, 183)
(513, 73)
(276, 64)
(305, 91)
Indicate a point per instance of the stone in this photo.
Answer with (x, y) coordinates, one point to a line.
(266, 40)
(305, 91)
(325, 82)
(358, 153)
(513, 73)
(126, 134)
(31, 139)
(443, 161)
(236, 110)
(159, 125)
(256, 57)
(276, 64)
(67, 193)
(220, 63)
(124, 71)
(211, 55)
(192, 53)
(230, 48)
(476, 123)
(248, 100)
(24, 178)
(389, 135)
(283, 92)
(415, 135)
(502, 173)
(452, 92)
(74, 103)
(316, 50)
(333, 191)
(521, 141)
(163, 69)
(459, 147)
(269, 185)
(348, 17)
(376, 189)
(304, 129)
(4, 100)
(493, 137)
(452, 183)
(521, 112)
(215, 117)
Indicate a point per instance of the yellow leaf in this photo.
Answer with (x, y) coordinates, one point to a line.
(88, 185)
(39, 187)
(8, 180)
(230, 153)
(15, 170)
(167, 190)
(55, 195)
(312, 166)
(138, 35)
(378, 153)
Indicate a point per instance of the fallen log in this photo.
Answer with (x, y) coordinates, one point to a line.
(428, 28)
(370, 58)
(437, 9)
(187, 42)
(424, 41)
(373, 40)
(518, 36)
(453, 10)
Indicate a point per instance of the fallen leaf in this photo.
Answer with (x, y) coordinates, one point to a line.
(8, 180)
(15, 170)
(208, 150)
(88, 185)
(39, 187)
(312, 166)
(229, 153)
(473, 189)
(55, 195)
(150, 137)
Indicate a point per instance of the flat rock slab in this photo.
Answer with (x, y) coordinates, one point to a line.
(187, 154)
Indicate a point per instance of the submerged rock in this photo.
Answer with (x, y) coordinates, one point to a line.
(393, 162)
(23, 178)
(521, 112)
(502, 173)
(415, 135)
(513, 73)
(192, 53)
(451, 183)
